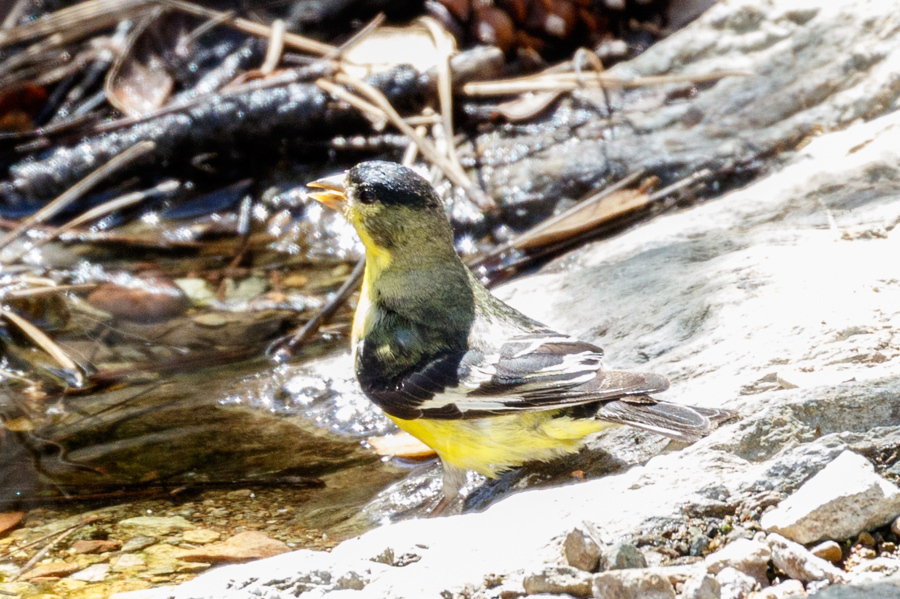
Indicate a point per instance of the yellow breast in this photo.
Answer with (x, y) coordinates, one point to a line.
(497, 443)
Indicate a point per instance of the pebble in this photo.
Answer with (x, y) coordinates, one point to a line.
(701, 586)
(94, 573)
(200, 535)
(95, 546)
(798, 562)
(137, 543)
(582, 551)
(623, 556)
(143, 299)
(750, 557)
(242, 547)
(844, 498)
(895, 526)
(49, 570)
(558, 580)
(828, 550)
(734, 584)
(788, 588)
(865, 539)
(632, 584)
(128, 561)
(154, 526)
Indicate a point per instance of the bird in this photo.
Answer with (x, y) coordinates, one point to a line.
(482, 384)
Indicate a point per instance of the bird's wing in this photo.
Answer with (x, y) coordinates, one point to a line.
(537, 371)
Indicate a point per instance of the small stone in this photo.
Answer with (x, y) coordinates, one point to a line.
(94, 573)
(788, 588)
(582, 551)
(865, 539)
(623, 556)
(828, 550)
(744, 555)
(9, 520)
(844, 498)
(154, 526)
(146, 300)
(137, 543)
(632, 583)
(888, 547)
(895, 526)
(734, 584)
(201, 536)
(242, 547)
(85, 546)
(797, 562)
(701, 586)
(558, 580)
(49, 570)
(128, 561)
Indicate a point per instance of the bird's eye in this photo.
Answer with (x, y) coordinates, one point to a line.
(366, 196)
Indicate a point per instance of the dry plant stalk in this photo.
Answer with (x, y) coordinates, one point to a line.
(560, 82)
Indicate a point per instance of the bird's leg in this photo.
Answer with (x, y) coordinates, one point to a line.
(454, 479)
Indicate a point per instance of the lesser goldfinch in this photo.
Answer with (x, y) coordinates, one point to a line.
(485, 386)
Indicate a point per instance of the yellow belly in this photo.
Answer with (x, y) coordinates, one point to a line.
(491, 445)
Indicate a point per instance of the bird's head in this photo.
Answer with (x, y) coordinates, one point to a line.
(392, 208)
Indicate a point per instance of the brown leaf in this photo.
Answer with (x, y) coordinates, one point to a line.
(580, 218)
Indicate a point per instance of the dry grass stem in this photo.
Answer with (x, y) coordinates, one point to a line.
(45, 343)
(560, 82)
(452, 171)
(78, 21)
(276, 47)
(291, 40)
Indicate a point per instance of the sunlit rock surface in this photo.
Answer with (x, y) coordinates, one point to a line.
(780, 301)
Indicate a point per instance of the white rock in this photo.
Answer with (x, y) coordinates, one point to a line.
(735, 584)
(798, 562)
(559, 580)
(701, 586)
(750, 557)
(788, 588)
(633, 583)
(846, 497)
(93, 573)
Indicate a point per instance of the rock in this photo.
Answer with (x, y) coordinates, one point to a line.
(582, 551)
(623, 556)
(128, 561)
(846, 497)
(200, 535)
(701, 586)
(895, 526)
(788, 588)
(93, 573)
(49, 570)
(137, 543)
(241, 547)
(881, 589)
(154, 526)
(749, 557)
(95, 546)
(557, 580)
(865, 539)
(9, 520)
(632, 584)
(828, 550)
(797, 562)
(147, 299)
(734, 584)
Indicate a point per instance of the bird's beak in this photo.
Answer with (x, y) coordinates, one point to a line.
(333, 196)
